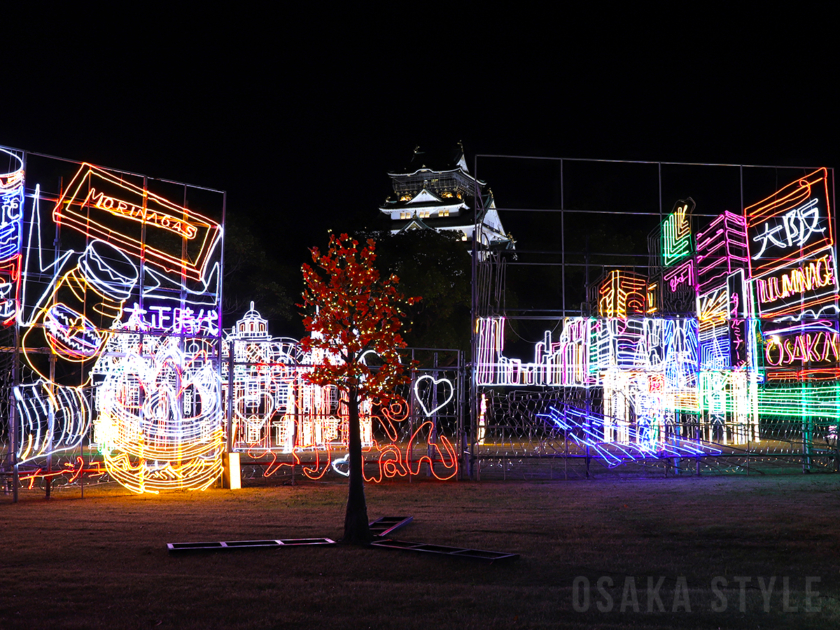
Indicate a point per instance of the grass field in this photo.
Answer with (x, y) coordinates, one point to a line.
(101, 561)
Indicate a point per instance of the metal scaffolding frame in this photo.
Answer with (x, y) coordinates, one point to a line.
(490, 276)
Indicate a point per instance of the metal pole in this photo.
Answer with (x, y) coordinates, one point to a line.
(588, 408)
(566, 458)
(231, 353)
(411, 407)
(141, 284)
(13, 430)
(51, 414)
(659, 171)
(473, 389)
(13, 415)
(433, 433)
(220, 335)
(462, 430)
(562, 239)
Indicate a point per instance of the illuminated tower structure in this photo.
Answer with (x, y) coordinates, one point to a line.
(727, 374)
(436, 192)
(672, 286)
(621, 304)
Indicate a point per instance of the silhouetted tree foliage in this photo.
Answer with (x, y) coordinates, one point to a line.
(438, 267)
(251, 274)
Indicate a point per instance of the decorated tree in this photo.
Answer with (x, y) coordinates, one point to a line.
(351, 314)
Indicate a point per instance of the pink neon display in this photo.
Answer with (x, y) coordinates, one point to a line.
(721, 249)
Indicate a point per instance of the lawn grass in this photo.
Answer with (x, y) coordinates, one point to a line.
(101, 561)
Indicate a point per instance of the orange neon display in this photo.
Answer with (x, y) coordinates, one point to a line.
(789, 225)
(99, 204)
(622, 293)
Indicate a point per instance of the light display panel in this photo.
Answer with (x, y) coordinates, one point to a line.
(114, 284)
(11, 232)
(119, 327)
(790, 225)
(676, 233)
(808, 286)
(760, 338)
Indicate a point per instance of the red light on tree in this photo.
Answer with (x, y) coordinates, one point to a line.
(355, 313)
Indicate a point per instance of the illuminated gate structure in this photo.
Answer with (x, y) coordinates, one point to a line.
(116, 365)
(720, 352)
(279, 421)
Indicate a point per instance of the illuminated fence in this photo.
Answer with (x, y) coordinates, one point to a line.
(716, 349)
(280, 423)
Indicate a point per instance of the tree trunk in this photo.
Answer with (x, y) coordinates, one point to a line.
(356, 528)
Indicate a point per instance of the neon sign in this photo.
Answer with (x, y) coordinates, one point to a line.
(680, 277)
(11, 236)
(430, 403)
(808, 284)
(11, 207)
(52, 419)
(118, 207)
(721, 250)
(160, 417)
(813, 348)
(790, 225)
(566, 361)
(676, 233)
(176, 320)
(593, 431)
(77, 208)
(622, 293)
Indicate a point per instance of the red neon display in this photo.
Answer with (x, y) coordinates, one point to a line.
(99, 204)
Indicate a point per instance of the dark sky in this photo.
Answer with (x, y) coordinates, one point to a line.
(299, 113)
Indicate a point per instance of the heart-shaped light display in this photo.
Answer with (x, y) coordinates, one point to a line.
(342, 466)
(448, 393)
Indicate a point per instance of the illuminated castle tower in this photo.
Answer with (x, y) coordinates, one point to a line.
(437, 192)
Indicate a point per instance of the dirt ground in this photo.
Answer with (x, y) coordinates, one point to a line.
(722, 552)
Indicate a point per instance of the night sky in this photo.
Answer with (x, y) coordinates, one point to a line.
(299, 114)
